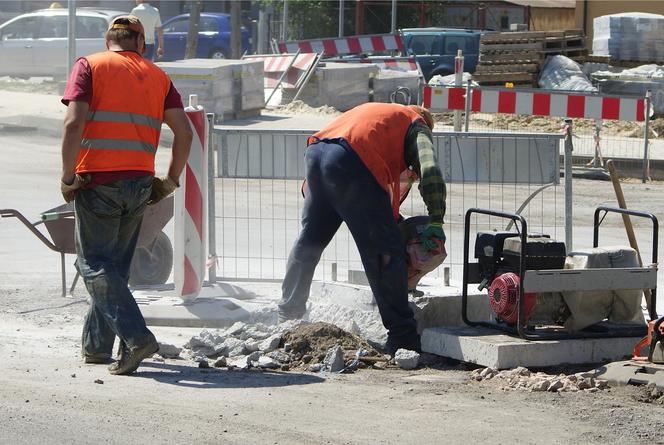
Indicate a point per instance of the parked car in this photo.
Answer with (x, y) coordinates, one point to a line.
(35, 44)
(214, 37)
(436, 48)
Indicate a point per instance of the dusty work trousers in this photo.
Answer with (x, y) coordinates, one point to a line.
(108, 220)
(341, 188)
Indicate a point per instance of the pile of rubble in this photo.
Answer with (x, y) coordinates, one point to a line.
(523, 379)
(289, 346)
(651, 394)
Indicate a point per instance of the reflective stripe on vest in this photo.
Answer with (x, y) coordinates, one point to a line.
(120, 116)
(117, 144)
(125, 115)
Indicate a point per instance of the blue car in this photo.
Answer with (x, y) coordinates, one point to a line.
(436, 48)
(214, 37)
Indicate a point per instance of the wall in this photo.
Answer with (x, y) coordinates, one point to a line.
(600, 8)
(552, 19)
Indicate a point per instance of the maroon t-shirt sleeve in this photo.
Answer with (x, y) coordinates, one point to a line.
(79, 85)
(173, 98)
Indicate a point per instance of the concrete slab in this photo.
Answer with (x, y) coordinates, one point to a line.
(632, 373)
(219, 305)
(489, 348)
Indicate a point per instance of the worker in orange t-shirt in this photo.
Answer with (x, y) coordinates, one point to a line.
(358, 170)
(116, 103)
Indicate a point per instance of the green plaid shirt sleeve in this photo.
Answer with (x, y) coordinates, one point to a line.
(419, 155)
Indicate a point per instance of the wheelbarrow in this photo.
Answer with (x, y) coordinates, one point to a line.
(153, 259)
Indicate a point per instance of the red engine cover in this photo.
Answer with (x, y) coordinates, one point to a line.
(504, 298)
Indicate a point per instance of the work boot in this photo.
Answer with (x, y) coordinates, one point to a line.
(412, 343)
(130, 358)
(283, 317)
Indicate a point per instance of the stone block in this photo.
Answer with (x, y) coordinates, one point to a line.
(488, 347)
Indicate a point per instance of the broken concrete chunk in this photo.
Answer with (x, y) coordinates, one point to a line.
(239, 362)
(167, 350)
(288, 347)
(334, 359)
(233, 346)
(236, 328)
(316, 367)
(251, 345)
(270, 344)
(266, 362)
(220, 362)
(280, 356)
(254, 356)
(541, 385)
(407, 359)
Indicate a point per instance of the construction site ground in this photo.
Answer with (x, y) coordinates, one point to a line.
(49, 396)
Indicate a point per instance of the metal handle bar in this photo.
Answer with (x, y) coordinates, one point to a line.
(12, 213)
(606, 209)
(522, 262)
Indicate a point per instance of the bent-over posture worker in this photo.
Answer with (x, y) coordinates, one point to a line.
(358, 169)
(116, 102)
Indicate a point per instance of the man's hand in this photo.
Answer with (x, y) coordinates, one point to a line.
(432, 230)
(68, 188)
(161, 188)
(160, 52)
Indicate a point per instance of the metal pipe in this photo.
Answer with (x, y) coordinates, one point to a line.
(212, 230)
(284, 21)
(569, 224)
(71, 36)
(469, 93)
(261, 45)
(341, 18)
(646, 168)
(393, 25)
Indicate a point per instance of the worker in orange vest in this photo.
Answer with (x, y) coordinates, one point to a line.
(358, 170)
(116, 102)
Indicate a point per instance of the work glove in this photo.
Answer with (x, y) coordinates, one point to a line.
(161, 188)
(431, 232)
(69, 190)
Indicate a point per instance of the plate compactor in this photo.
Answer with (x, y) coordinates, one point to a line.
(538, 290)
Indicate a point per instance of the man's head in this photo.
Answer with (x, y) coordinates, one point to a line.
(126, 32)
(426, 115)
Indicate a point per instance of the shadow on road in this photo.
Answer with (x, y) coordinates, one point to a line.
(206, 378)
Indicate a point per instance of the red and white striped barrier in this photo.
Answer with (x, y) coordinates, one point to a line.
(190, 211)
(345, 45)
(533, 103)
(403, 64)
(275, 65)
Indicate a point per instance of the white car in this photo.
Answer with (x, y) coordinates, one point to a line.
(35, 44)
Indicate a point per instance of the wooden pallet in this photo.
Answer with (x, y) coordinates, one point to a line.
(518, 68)
(618, 62)
(529, 36)
(511, 58)
(505, 77)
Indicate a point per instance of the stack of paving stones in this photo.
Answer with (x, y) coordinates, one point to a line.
(517, 57)
(523, 379)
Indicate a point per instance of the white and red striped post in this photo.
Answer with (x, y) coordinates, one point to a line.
(190, 210)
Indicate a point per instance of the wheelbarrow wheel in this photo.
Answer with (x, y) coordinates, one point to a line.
(152, 264)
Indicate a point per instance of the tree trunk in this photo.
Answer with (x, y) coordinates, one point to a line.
(236, 26)
(192, 35)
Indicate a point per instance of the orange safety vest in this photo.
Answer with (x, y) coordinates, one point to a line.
(377, 133)
(125, 115)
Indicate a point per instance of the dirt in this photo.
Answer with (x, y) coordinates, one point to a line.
(315, 339)
(299, 107)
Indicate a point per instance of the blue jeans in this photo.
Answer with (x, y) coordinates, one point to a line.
(341, 188)
(108, 220)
